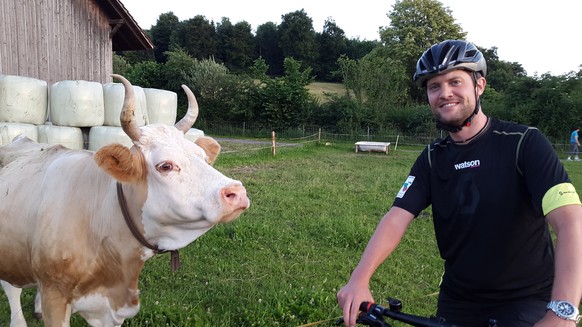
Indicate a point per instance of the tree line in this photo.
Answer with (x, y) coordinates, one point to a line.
(262, 77)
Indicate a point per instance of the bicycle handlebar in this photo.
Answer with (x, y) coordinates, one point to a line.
(373, 315)
(394, 313)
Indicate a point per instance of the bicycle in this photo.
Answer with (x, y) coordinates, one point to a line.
(373, 315)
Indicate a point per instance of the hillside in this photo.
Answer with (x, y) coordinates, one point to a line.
(319, 89)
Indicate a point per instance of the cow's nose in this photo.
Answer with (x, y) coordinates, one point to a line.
(235, 198)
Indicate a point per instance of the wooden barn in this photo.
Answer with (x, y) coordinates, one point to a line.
(56, 40)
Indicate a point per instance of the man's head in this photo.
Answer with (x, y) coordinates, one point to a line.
(452, 63)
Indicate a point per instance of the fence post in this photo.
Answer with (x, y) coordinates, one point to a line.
(273, 146)
(319, 136)
(396, 145)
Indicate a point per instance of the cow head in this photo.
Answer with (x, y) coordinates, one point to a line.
(182, 195)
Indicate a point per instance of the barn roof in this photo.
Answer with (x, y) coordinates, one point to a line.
(125, 32)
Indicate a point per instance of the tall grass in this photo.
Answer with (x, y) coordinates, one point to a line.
(313, 209)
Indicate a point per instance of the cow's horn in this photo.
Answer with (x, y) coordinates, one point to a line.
(127, 116)
(190, 118)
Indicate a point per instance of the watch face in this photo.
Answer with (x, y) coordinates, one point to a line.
(565, 308)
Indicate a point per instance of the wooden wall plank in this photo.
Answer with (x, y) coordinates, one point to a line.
(55, 40)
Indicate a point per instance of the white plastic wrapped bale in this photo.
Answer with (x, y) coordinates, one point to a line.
(9, 131)
(76, 103)
(114, 94)
(104, 135)
(193, 134)
(162, 106)
(23, 99)
(70, 137)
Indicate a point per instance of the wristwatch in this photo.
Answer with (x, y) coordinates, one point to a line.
(564, 310)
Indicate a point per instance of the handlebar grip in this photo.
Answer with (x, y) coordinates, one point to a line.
(365, 306)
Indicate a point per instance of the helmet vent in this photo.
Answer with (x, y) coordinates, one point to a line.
(471, 53)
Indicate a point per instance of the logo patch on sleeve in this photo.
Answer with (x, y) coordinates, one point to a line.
(405, 186)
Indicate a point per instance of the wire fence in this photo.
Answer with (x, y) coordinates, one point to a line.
(253, 131)
(271, 138)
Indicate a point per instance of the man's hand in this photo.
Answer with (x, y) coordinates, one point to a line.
(349, 298)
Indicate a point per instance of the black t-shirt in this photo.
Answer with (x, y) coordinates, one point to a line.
(486, 199)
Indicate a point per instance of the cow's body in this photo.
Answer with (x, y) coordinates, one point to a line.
(63, 229)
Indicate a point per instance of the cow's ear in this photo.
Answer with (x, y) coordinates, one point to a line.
(121, 163)
(210, 146)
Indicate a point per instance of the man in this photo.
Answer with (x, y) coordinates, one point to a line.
(574, 144)
(494, 186)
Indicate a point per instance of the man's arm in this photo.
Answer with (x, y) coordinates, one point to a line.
(566, 222)
(384, 240)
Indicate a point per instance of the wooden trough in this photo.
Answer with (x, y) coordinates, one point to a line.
(364, 146)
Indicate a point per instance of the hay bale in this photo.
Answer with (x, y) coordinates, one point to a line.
(23, 100)
(162, 106)
(8, 131)
(113, 94)
(103, 135)
(77, 103)
(70, 137)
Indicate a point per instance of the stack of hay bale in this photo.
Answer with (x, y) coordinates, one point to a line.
(78, 114)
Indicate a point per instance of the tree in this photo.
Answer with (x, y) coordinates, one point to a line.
(500, 73)
(332, 43)
(342, 114)
(235, 45)
(297, 38)
(198, 37)
(385, 83)
(223, 96)
(224, 32)
(356, 48)
(120, 65)
(267, 40)
(161, 33)
(286, 101)
(149, 74)
(415, 25)
(378, 83)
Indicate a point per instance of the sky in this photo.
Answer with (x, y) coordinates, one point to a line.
(543, 36)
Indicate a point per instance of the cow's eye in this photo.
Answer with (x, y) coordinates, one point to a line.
(165, 166)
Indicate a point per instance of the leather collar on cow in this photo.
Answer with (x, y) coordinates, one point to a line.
(174, 254)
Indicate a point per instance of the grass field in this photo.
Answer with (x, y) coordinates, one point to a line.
(320, 89)
(313, 209)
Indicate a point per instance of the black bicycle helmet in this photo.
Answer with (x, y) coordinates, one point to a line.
(446, 56)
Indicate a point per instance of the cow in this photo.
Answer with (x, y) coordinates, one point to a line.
(79, 225)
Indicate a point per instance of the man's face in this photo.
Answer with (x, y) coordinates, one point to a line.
(452, 96)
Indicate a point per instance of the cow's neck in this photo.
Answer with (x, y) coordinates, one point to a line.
(138, 232)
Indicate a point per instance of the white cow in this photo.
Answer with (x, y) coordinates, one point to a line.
(79, 225)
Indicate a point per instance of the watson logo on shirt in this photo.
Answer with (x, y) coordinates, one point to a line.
(468, 164)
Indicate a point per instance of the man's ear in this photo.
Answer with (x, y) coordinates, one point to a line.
(481, 82)
(210, 146)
